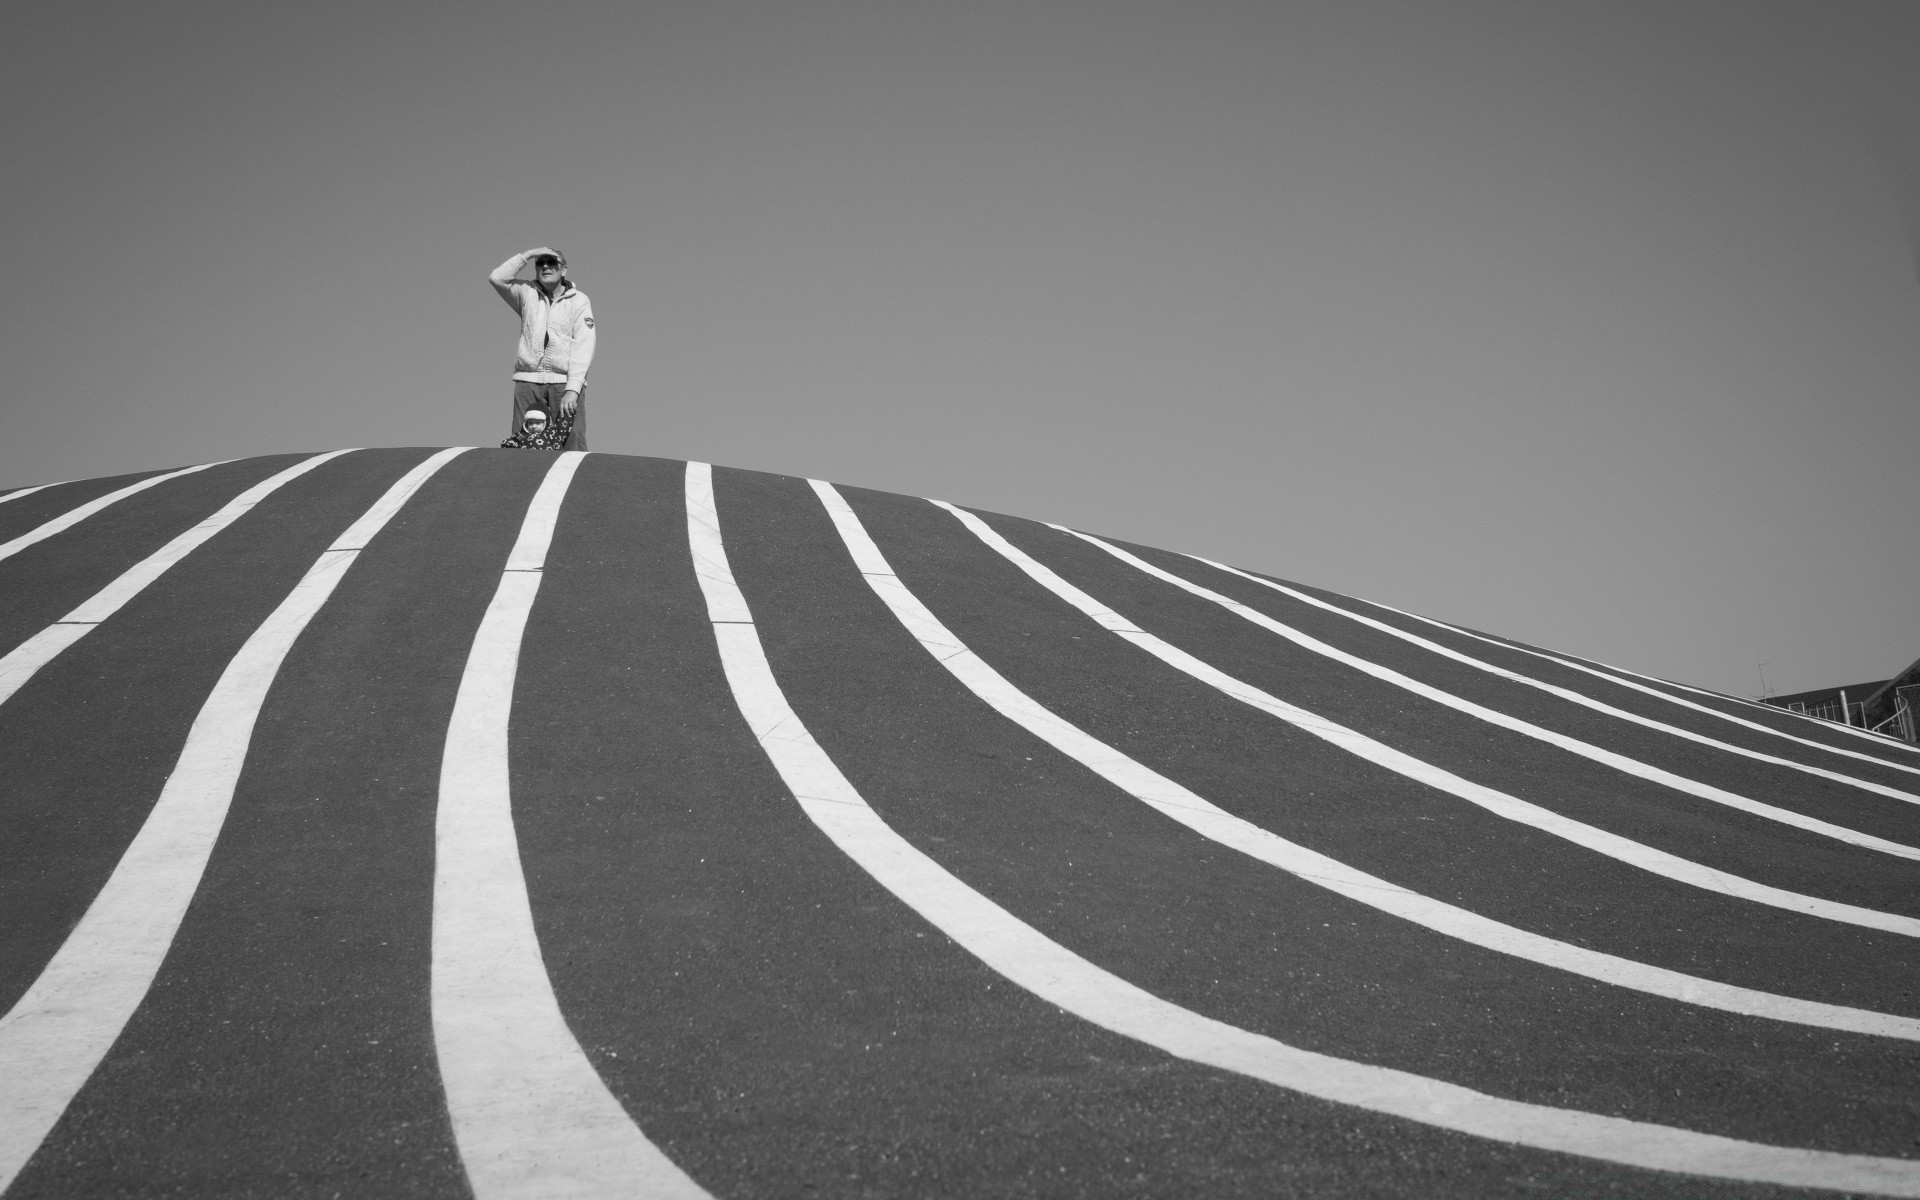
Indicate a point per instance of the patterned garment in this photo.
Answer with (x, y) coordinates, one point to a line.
(553, 437)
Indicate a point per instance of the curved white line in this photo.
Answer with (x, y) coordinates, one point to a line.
(1612, 845)
(1619, 762)
(68, 520)
(1203, 817)
(54, 1037)
(1866, 735)
(1609, 674)
(1878, 739)
(531, 1116)
(1579, 698)
(28, 491)
(1055, 974)
(21, 663)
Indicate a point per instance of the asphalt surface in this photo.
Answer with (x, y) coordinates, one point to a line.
(769, 1014)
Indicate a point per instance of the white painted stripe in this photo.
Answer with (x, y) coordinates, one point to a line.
(531, 1116)
(1864, 735)
(1616, 675)
(28, 491)
(1499, 803)
(69, 519)
(1055, 974)
(23, 661)
(1568, 694)
(1201, 816)
(59, 1030)
(1881, 740)
(1609, 758)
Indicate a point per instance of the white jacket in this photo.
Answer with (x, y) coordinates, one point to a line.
(556, 336)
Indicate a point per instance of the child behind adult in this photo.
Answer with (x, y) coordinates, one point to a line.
(535, 433)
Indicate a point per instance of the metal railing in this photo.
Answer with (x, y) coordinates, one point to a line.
(1837, 711)
(1901, 723)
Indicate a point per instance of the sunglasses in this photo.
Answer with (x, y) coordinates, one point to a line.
(541, 264)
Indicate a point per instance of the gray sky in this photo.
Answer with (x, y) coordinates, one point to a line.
(1593, 324)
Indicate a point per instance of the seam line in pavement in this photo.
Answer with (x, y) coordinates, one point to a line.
(1057, 975)
(531, 1116)
(1499, 803)
(57, 1033)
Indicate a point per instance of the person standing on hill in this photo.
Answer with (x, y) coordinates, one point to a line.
(556, 339)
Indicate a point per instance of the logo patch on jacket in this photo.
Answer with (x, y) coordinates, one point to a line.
(589, 322)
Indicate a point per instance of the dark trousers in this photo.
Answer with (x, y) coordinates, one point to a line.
(546, 398)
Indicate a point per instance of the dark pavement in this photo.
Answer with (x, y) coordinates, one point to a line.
(772, 1017)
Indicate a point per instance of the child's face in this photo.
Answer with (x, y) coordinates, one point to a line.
(533, 424)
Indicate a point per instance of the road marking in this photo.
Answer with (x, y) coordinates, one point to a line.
(69, 519)
(1619, 762)
(531, 1116)
(28, 657)
(1499, 803)
(1610, 676)
(1203, 817)
(28, 491)
(1864, 735)
(1057, 975)
(54, 1037)
(1515, 677)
